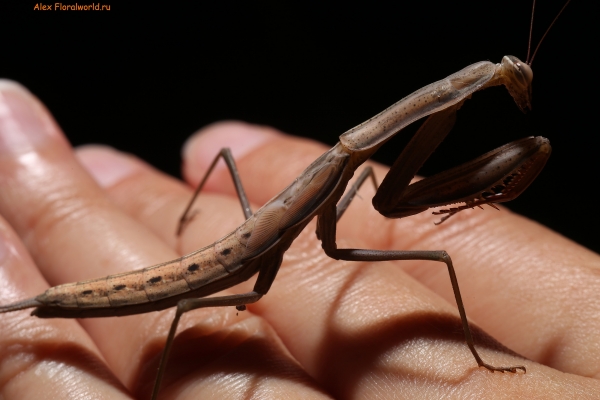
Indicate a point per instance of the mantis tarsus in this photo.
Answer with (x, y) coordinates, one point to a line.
(258, 245)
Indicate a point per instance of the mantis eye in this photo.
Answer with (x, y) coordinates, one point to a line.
(525, 70)
(517, 77)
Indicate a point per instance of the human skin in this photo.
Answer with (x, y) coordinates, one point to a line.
(326, 329)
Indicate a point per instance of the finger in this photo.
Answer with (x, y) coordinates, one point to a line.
(75, 232)
(39, 357)
(504, 262)
(71, 229)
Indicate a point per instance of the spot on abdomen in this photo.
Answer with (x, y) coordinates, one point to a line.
(165, 280)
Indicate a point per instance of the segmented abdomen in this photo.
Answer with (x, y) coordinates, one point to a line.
(226, 256)
(142, 286)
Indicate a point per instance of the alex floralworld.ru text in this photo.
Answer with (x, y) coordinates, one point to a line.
(71, 7)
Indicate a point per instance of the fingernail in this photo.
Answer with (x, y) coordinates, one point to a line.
(24, 123)
(240, 137)
(106, 165)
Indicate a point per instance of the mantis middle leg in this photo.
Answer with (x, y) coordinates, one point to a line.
(327, 231)
(225, 153)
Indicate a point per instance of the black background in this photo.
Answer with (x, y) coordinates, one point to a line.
(142, 78)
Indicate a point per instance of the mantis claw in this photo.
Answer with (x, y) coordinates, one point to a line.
(504, 369)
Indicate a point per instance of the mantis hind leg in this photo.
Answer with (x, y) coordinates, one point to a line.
(268, 269)
(225, 153)
(327, 231)
(237, 300)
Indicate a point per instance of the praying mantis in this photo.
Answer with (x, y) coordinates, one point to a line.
(258, 245)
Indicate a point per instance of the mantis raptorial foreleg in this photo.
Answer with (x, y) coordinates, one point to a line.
(483, 180)
(431, 133)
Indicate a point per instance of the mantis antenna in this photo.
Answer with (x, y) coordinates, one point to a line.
(530, 61)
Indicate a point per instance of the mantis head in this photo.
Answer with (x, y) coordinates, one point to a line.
(517, 76)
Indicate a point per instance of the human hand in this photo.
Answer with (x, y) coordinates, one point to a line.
(325, 329)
